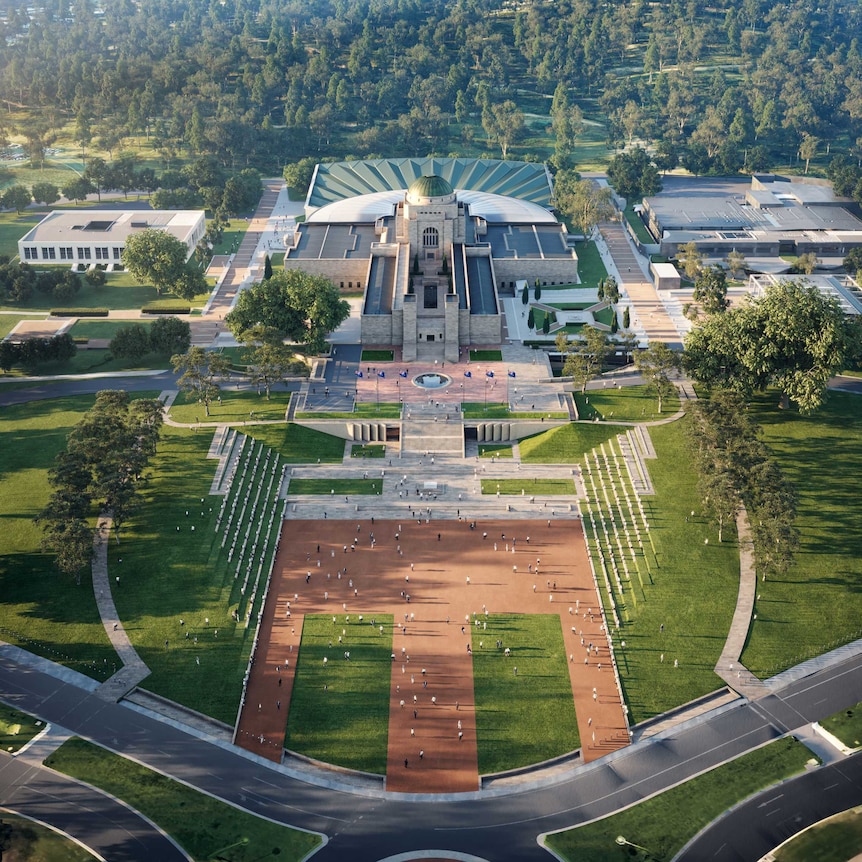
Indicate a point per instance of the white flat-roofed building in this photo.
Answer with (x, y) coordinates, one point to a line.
(97, 237)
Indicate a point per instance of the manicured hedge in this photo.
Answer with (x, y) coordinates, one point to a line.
(79, 312)
(165, 308)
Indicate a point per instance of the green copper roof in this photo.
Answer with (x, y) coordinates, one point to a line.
(430, 187)
(336, 181)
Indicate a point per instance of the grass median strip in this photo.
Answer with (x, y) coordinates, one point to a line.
(205, 827)
(16, 728)
(662, 825)
(529, 487)
(333, 487)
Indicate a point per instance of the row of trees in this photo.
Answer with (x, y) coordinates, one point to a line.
(167, 335)
(104, 462)
(32, 351)
(734, 468)
(18, 281)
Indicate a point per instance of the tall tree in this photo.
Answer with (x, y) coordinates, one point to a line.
(155, 257)
(202, 371)
(634, 175)
(503, 123)
(656, 364)
(268, 359)
(301, 307)
(710, 290)
(586, 357)
(791, 337)
(584, 202)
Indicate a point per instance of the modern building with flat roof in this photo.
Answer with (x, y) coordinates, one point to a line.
(431, 260)
(775, 217)
(85, 237)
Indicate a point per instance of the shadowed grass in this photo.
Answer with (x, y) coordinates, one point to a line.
(818, 603)
(298, 444)
(566, 444)
(16, 728)
(528, 717)
(234, 407)
(205, 827)
(662, 825)
(30, 840)
(339, 712)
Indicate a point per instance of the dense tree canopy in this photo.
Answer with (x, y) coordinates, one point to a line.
(791, 337)
(300, 307)
(245, 82)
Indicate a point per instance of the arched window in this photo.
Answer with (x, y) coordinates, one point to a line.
(430, 237)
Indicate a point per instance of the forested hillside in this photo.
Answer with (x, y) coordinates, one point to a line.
(724, 86)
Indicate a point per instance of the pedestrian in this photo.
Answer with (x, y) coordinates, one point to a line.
(421, 754)
(405, 763)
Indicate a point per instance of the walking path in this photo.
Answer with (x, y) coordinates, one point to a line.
(134, 670)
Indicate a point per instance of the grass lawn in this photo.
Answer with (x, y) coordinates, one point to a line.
(234, 407)
(364, 410)
(32, 841)
(836, 839)
(298, 444)
(664, 823)
(495, 450)
(368, 450)
(486, 355)
(500, 410)
(692, 591)
(339, 486)
(12, 228)
(231, 237)
(630, 404)
(529, 487)
(89, 328)
(817, 604)
(16, 728)
(530, 717)
(204, 827)
(565, 444)
(347, 723)
(639, 228)
(591, 267)
(42, 610)
(97, 360)
(121, 292)
(377, 356)
(846, 725)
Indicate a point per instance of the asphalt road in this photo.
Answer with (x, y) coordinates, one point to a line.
(115, 831)
(497, 826)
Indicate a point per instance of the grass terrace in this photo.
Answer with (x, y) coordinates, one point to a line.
(486, 355)
(298, 444)
(205, 827)
(565, 444)
(639, 228)
(664, 823)
(495, 450)
(368, 450)
(629, 404)
(377, 356)
(530, 487)
(330, 487)
(347, 722)
(233, 407)
(530, 717)
(500, 410)
(106, 329)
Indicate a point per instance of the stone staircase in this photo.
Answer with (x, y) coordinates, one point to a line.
(429, 428)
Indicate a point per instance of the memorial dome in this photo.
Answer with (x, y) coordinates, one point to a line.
(430, 189)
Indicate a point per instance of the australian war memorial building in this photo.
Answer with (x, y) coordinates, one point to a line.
(432, 244)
